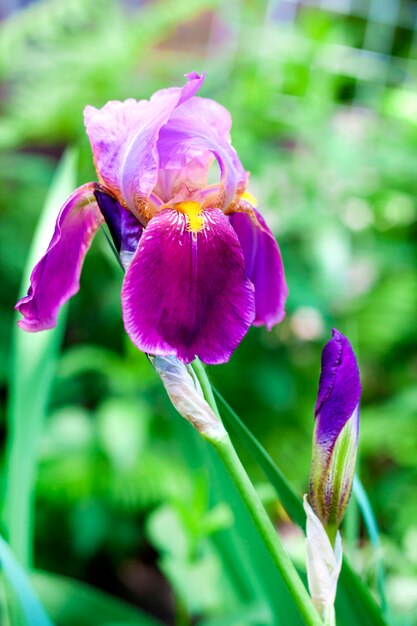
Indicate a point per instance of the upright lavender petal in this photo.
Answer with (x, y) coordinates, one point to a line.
(197, 127)
(140, 164)
(336, 431)
(56, 277)
(110, 129)
(264, 267)
(123, 138)
(186, 293)
(193, 175)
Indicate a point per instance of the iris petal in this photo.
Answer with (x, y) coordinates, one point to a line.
(186, 293)
(125, 229)
(123, 138)
(197, 127)
(264, 267)
(56, 277)
(193, 175)
(339, 390)
(336, 430)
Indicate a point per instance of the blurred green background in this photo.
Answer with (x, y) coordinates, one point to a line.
(324, 105)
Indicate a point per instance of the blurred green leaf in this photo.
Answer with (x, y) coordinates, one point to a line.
(34, 357)
(73, 603)
(32, 612)
(362, 499)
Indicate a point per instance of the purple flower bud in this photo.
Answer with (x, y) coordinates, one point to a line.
(335, 438)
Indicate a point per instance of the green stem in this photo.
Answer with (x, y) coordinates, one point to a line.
(270, 537)
(203, 379)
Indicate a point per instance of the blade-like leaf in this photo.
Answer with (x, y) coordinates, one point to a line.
(72, 603)
(29, 605)
(372, 527)
(354, 603)
(249, 615)
(32, 369)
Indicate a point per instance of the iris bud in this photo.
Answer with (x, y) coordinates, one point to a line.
(336, 430)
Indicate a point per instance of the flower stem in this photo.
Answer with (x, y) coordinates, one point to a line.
(270, 537)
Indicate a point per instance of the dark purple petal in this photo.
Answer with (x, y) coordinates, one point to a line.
(186, 293)
(199, 127)
(264, 267)
(339, 390)
(123, 138)
(56, 277)
(124, 228)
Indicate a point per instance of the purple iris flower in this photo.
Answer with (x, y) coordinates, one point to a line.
(201, 264)
(336, 431)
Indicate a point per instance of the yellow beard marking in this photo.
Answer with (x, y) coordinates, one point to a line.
(192, 210)
(247, 195)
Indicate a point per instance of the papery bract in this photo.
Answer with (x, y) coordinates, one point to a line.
(186, 395)
(201, 264)
(324, 563)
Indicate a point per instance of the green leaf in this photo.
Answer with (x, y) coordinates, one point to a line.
(354, 603)
(34, 357)
(29, 605)
(72, 603)
(249, 615)
(372, 527)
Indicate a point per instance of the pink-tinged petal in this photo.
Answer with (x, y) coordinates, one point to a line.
(56, 277)
(110, 129)
(193, 175)
(123, 138)
(264, 267)
(196, 128)
(186, 293)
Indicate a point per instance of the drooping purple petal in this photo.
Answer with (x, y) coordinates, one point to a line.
(264, 267)
(186, 293)
(124, 228)
(339, 390)
(55, 278)
(123, 138)
(197, 127)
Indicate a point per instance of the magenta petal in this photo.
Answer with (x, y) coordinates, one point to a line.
(185, 293)
(123, 138)
(197, 127)
(264, 267)
(56, 277)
